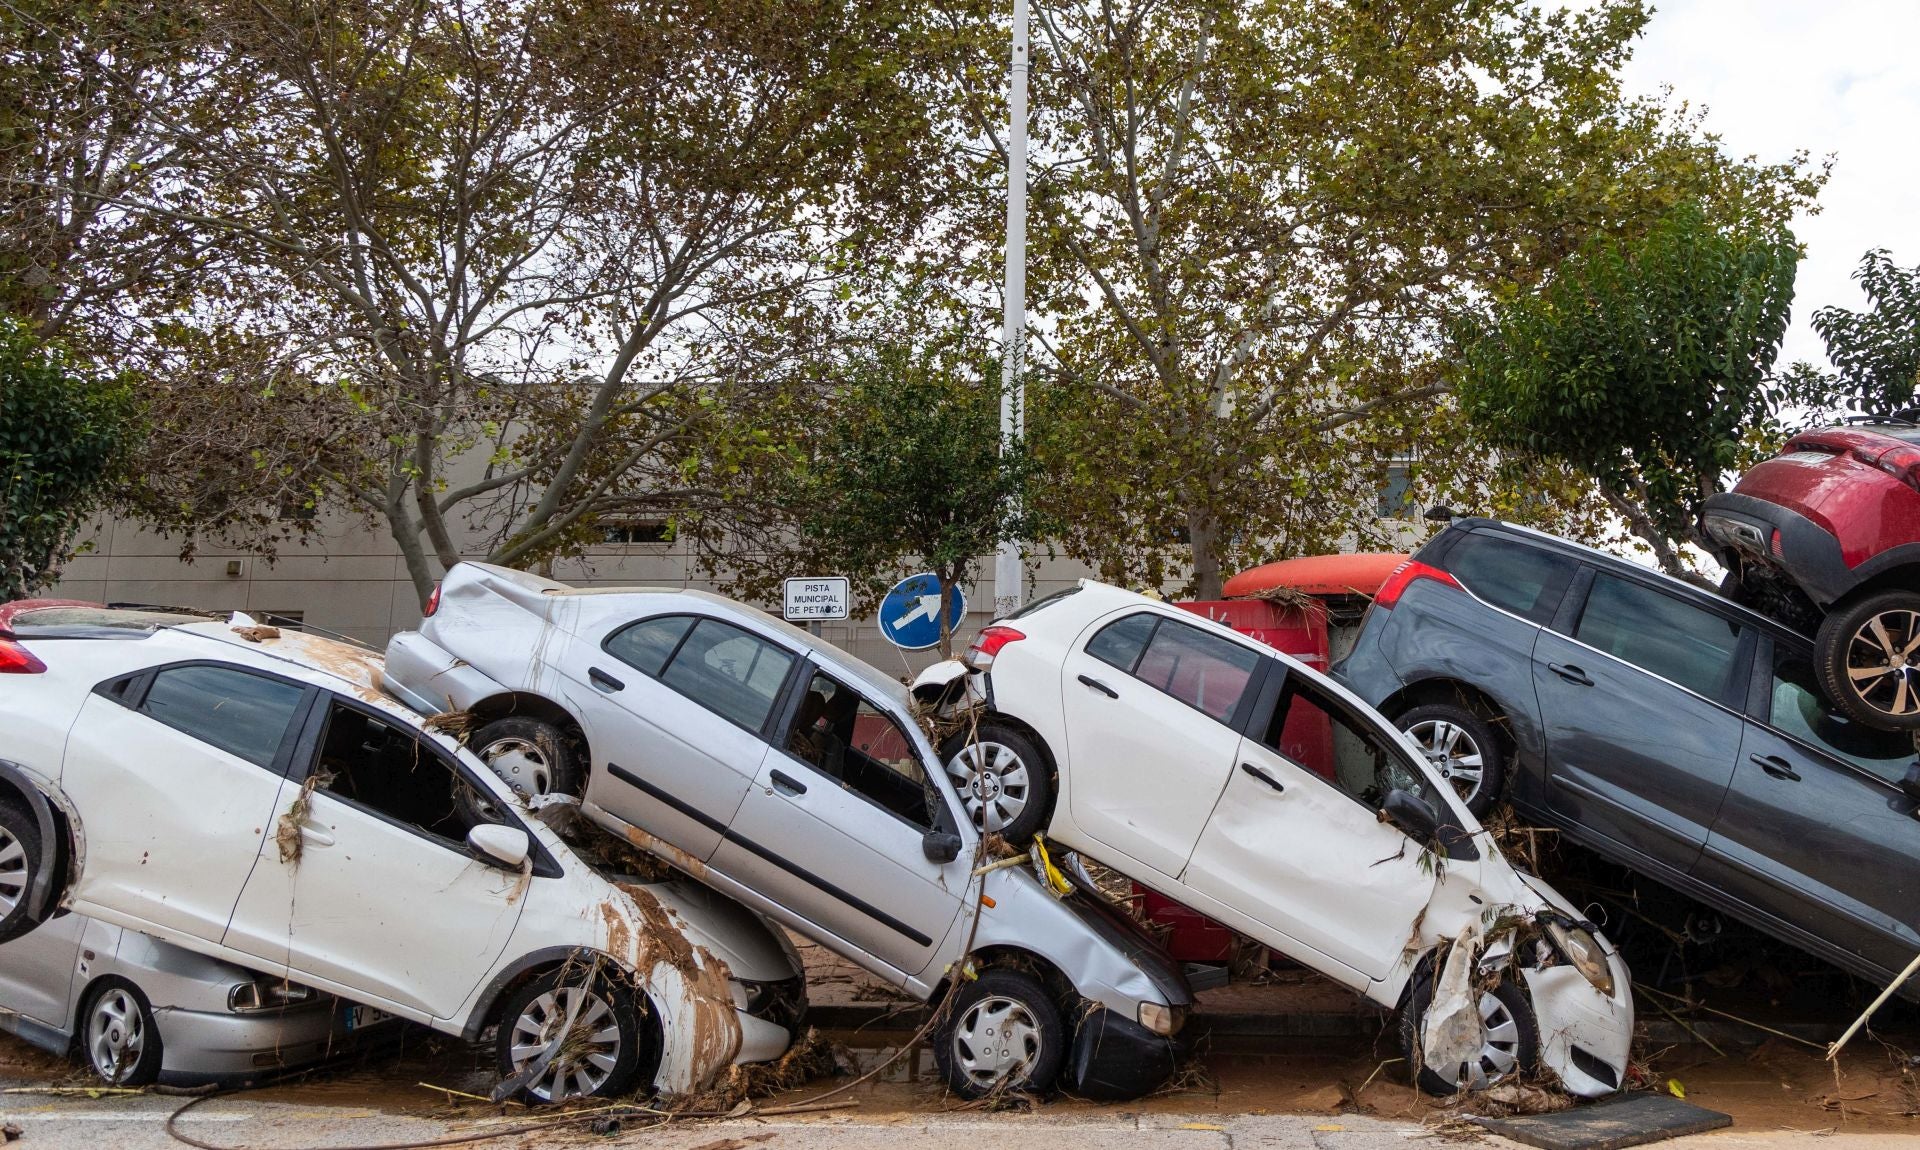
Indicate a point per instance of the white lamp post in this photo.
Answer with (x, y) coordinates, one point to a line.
(1009, 589)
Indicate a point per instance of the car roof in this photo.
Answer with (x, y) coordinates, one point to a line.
(1581, 552)
(339, 666)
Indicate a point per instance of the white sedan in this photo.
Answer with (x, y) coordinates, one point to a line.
(1231, 778)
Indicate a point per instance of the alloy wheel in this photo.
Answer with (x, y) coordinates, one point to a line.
(993, 782)
(116, 1035)
(1454, 753)
(1499, 1053)
(588, 1053)
(997, 1039)
(521, 763)
(14, 872)
(1883, 662)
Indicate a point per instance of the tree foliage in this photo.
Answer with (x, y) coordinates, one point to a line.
(1646, 363)
(1877, 351)
(64, 430)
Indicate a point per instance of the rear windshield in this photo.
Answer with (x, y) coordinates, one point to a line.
(1904, 434)
(1043, 602)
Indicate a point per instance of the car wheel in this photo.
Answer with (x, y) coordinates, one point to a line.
(605, 1033)
(122, 1042)
(1868, 656)
(19, 859)
(531, 755)
(1464, 750)
(1510, 1046)
(1003, 1033)
(1002, 780)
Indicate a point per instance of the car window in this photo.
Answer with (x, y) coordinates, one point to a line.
(1799, 710)
(729, 670)
(1121, 643)
(1203, 671)
(647, 645)
(846, 737)
(243, 714)
(1527, 581)
(1043, 603)
(379, 764)
(1326, 739)
(1659, 633)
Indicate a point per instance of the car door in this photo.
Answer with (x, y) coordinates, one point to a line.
(1639, 701)
(1814, 832)
(676, 708)
(175, 774)
(1152, 707)
(833, 829)
(382, 898)
(1296, 842)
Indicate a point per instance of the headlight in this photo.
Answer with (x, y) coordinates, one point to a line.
(1162, 1020)
(1583, 952)
(267, 994)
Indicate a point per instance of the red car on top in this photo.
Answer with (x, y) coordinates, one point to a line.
(1836, 515)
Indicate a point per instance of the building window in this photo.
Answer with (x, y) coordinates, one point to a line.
(1396, 492)
(621, 531)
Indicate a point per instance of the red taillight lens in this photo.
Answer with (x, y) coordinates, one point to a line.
(1405, 576)
(17, 660)
(433, 601)
(988, 643)
(1773, 545)
(1903, 463)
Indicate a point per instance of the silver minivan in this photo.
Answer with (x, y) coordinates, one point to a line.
(785, 773)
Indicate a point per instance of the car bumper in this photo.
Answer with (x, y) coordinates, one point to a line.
(1115, 1059)
(421, 674)
(1802, 550)
(1584, 1034)
(202, 1046)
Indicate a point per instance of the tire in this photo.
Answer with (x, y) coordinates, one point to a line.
(1003, 1033)
(1003, 780)
(1463, 747)
(19, 865)
(1512, 1047)
(118, 1035)
(531, 755)
(1867, 655)
(618, 1036)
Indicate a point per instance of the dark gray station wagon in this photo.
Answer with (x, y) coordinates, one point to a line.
(1658, 724)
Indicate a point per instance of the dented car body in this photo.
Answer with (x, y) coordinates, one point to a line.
(1232, 778)
(784, 773)
(253, 796)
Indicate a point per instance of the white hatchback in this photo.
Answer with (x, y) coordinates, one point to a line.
(1229, 777)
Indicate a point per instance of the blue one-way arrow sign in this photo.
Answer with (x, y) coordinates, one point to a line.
(910, 614)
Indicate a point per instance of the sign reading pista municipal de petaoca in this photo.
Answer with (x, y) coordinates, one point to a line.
(815, 599)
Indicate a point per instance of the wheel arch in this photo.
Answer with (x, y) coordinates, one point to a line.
(527, 705)
(1010, 957)
(1901, 577)
(57, 851)
(1459, 693)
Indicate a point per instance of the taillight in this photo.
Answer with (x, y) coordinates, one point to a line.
(987, 644)
(1773, 545)
(1903, 463)
(433, 601)
(1404, 576)
(17, 660)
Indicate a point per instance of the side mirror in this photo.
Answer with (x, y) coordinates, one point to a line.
(940, 846)
(1412, 814)
(502, 846)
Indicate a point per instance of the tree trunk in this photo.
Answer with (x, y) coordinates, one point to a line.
(1203, 535)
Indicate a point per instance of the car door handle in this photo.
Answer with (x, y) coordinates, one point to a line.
(1263, 776)
(786, 784)
(1570, 673)
(605, 681)
(1097, 685)
(315, 835)
(1776, 766)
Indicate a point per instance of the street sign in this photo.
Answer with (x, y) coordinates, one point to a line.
(815, 599)
(910, 614)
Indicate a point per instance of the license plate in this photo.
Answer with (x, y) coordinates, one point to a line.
(361, 1017)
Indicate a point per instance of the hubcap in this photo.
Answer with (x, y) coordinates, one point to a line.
(997, 1039)
(116, 1034)
(1454, 753)
(587, 1055)
(992, 781)
(522, 764)
(1883, 662)
(13, 872)
(1499, 1051)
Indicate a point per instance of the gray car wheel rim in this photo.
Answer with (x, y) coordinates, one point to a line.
(993, 782)
(587, 1056)
(13, 872)
(1499, 1053)
(998, 1039)
(1883, 662)
(116, 1035)
(521, 764)
(1454, 753)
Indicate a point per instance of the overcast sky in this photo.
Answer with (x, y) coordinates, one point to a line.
(1831, 76)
